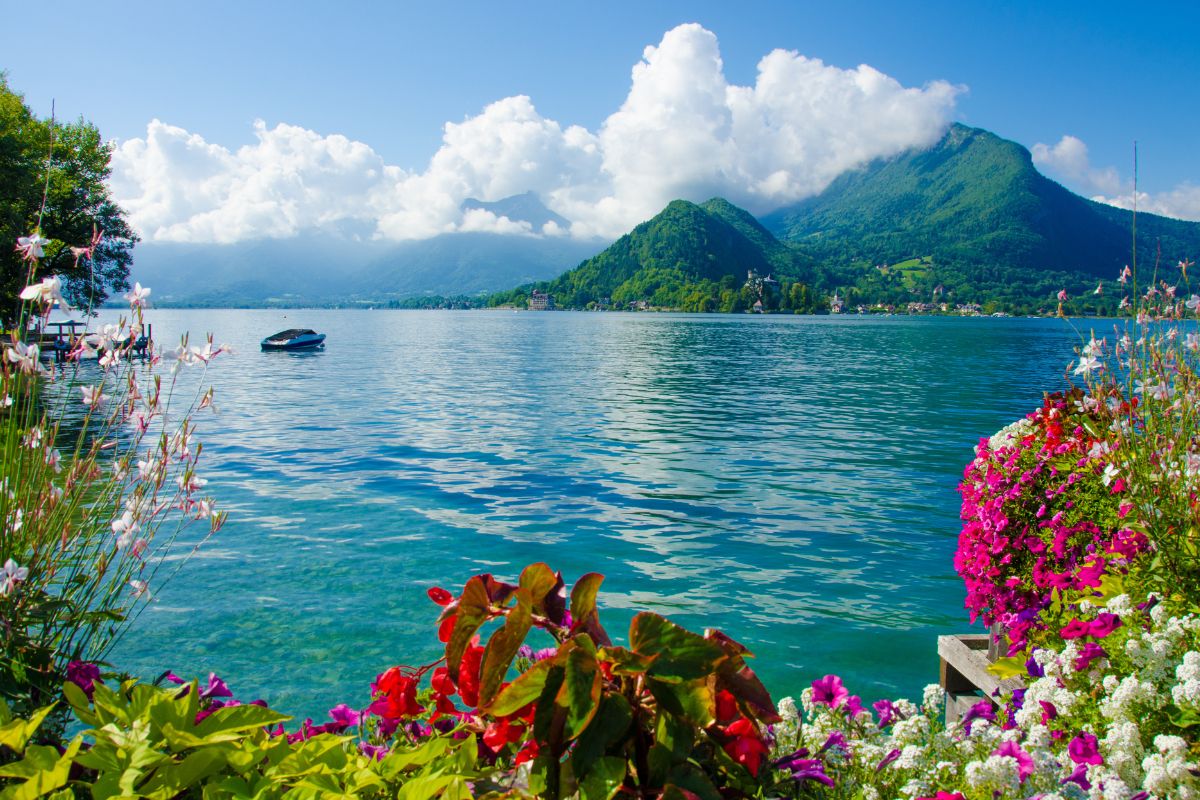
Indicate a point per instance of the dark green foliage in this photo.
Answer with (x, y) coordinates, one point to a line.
(687, 258)
(76, 200)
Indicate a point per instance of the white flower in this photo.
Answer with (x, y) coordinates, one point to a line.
(1110, 474)
(1193, 302)
(11, 575)
(26, 357)
(139, 588)
(48, 292)
(190, 483)
(125, 529)
(93, 396)
(137, 296)
(30, 247)
(1087, 365)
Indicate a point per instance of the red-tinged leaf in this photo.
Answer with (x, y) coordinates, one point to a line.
(502, 647)
(728, 643)
(538, 579)
(749, 690)
(554, 604)
(580, 691)
(681, 654)
(521, 692)
(473, 611)
(498, 592)
(609, 726)
(673, 792)
(625, 661)
(584, 615)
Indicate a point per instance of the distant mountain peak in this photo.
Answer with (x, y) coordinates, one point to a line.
(527, 207)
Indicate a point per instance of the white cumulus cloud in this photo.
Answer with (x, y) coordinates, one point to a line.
(683, 131)
(1068, 160)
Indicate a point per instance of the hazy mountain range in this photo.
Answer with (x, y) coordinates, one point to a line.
(972, 210)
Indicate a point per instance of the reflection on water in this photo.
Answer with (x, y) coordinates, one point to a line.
(789, 480)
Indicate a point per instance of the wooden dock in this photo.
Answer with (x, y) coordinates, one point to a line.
(964, 675)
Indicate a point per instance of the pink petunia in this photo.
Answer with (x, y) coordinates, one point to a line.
(1085, 749)
(1075, 629)
(1023, 759)
(1103, 625)
(829, 691)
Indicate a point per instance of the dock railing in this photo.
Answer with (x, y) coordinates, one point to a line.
(963, 671)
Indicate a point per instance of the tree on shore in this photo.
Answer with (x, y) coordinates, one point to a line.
(53, 182)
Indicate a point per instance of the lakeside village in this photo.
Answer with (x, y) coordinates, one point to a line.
(765, 290)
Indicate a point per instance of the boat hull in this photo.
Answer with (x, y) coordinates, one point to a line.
(314, 342)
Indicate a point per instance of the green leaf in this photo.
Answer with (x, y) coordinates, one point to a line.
(626, 662)
(1008, 667)
(609, 726)
(522, 691)
(604, 779)
(681, 654)
(692, 700)
(503, 645)
(580, 692)
(52, 772)
(17, 732)
(238, 718)
(584, 615)
(1183, 718)
(538, 579)
(472, 612)
(673, 792)
(170, 780)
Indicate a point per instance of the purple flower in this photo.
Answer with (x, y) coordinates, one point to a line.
(829, 691)
(1103, 625)
(1085, 749)
(981, 710)
(886, 711)
(375, 751)
(1090, 652)
(544, 653)
(345, 716)
(889, 758)
(1023, 759)
(84, 675)
(1079, 777)
(216, 688)
(172, 677)
(1034, 669)
(836, 739)
(525, 651)
(787, 761)
(809, 769)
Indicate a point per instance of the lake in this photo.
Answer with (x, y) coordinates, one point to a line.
(789, 480)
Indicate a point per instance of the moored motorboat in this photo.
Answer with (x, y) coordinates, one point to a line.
(294, 339)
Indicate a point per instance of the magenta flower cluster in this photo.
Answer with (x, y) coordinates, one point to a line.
(1043, 510)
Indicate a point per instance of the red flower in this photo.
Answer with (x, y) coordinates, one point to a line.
(527, 753)
(440, 596)
(502, 732)
(447, 628)
(745, 747)
(397, 695)
(468, 675)
(726, 706)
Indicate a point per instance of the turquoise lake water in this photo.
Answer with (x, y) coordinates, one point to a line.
(789, 480)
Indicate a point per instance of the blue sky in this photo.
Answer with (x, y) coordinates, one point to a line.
(390, 76)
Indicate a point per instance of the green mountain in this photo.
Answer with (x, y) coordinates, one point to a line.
(687, 257)
(977, 205)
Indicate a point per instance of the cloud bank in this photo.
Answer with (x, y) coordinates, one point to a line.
(683, 131)
(1069, 161)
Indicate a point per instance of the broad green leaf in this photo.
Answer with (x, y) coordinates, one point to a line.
(52, 774)
(170, 780)
(472, 612)
(673, 792)
(522, 691)
(238, 718)
(603, 780)
(79, 703)
(1183, 718)
(538, 579)
(608, 727)
(1008, 667)
(5, 712)
(399, 761)
(548, 717)
(17, 732)
(692, 700)
(580, 692)
(681, 654)
(584, 615)
(689, 777)
(626, 662)
(502, 647)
